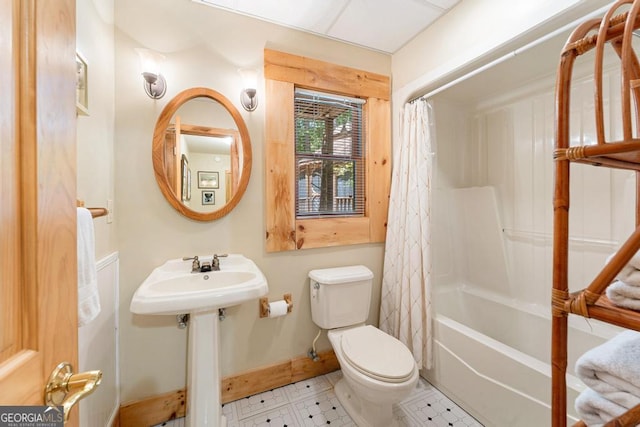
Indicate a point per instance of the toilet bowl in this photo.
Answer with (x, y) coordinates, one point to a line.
(378, 370)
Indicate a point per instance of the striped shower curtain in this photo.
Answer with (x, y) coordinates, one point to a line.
(405, 309)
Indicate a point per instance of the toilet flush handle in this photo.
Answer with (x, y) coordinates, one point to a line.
(314, 292)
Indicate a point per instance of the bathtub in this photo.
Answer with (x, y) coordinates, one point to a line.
(492, 357)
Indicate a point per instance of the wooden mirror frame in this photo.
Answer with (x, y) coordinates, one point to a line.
(157, 153)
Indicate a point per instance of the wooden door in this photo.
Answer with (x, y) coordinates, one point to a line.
(38, 267)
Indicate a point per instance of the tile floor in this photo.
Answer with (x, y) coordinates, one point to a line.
(313, 403)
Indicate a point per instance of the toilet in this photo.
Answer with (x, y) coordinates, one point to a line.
(377, 369)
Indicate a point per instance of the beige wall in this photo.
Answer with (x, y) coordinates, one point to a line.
(97, 341)
(205, 47)
(472, 34)
(95, 132)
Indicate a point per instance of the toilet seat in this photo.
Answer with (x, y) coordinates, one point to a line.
(377, 355)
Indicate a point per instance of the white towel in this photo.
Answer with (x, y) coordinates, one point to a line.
(630, 273)
(88, 296)
(595, 410)
(624, 295)
(612, 369)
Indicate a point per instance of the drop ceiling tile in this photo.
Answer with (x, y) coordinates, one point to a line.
(382, 24)
(442, 4)
(312, 15)
(226, 4)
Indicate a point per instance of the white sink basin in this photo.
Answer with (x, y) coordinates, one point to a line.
(173, 289)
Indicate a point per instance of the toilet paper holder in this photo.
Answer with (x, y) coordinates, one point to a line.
(264, 305)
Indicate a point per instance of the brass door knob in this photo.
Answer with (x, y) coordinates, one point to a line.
(65, 388)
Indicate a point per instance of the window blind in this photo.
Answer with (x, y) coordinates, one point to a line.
(329, 144)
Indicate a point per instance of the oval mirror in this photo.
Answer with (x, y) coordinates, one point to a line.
(201, 154)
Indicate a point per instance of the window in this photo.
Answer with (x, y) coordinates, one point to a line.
(327, 153)
(329, 147)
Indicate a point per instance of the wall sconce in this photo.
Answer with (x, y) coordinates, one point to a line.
(150, 63)
(248, 97)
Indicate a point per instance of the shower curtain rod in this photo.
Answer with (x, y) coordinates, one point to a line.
(596, 13)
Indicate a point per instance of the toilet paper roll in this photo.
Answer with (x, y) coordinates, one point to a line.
(277, 308)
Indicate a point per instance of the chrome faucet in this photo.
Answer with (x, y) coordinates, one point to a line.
(215, 262)
(195, 265)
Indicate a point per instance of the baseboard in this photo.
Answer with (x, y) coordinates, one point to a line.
(158, 409)
(277, 375)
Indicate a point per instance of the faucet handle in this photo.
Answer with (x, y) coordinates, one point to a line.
(215, 262)
(195, 265)
(216, 256)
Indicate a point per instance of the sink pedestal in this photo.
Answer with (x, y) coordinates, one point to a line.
(173, 289)
(203, 371)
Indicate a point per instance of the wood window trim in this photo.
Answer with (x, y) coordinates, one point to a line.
(283, 73)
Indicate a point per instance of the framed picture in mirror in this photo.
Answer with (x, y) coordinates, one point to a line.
(208, 198)
(208, 179)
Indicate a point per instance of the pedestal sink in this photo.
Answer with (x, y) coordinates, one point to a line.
(173, 289)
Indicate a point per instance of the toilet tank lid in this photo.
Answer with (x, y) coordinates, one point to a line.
(336, 275)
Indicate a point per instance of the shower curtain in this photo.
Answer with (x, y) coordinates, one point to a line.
(405, 308)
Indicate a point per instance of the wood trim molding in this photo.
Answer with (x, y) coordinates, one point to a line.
(277, 375)
(283, 72)
(325, 232)
(154, 410)
(320, 75)
(280, 170)
(161, 408)
(378, 167)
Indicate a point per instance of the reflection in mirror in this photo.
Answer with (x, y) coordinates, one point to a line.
(186, 178)
(205, 155)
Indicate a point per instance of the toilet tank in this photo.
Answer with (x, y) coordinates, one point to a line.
(340, 296)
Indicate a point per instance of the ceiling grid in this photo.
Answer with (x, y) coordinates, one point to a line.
(382, 25)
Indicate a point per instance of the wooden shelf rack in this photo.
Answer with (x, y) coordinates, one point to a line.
(616, 30)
